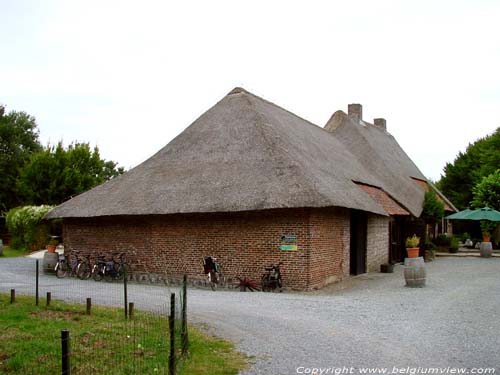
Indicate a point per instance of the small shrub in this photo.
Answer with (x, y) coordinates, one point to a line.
(27, 228)
(454, 243)
(465, 236)
(487, 227)
(429, 245)
(442, 240)
(413, 241)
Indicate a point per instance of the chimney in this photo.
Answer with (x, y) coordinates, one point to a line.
(355, 111)
(380, 123)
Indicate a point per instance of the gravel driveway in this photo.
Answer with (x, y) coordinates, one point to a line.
(370, 321)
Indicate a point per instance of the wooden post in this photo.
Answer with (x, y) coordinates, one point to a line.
(49, 297)
(66, 368)
(171, 326)
(89, 305)
(36, 283)
(130, 310)
(12, 295)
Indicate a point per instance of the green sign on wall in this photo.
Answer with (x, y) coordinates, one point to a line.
(288, 247)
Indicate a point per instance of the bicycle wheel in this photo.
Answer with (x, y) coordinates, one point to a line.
(121, 270)
(212, 278)
(265, 283)
(109, 276)
(62, 270)
(83, 271)
(97, 273)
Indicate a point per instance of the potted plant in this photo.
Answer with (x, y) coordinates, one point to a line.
(486, 228)
(453, 245)
(51, 247)
(412, 246)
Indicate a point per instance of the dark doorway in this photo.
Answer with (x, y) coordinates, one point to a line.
(402, 227)
(358, 242)
(397, 252)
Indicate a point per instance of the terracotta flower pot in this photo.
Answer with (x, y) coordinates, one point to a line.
(51, 248)
(486, 238)
(412, 252)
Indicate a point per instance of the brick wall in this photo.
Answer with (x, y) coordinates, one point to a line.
(328, 229)
(244, 243)
(377, 242)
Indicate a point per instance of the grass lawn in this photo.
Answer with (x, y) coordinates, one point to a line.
(11, 253)
(103, 342)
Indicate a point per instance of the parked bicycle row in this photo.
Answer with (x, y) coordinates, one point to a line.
(114, 267)
(109, 269)
(271, 279)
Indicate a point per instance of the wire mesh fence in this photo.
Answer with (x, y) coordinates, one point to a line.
(115, 326)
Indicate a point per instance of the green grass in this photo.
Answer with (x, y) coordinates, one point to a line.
(11, 253)
(103, 342)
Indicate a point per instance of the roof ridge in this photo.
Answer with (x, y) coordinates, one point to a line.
(240, 90)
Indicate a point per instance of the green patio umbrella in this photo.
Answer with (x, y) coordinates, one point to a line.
(459, 215)
(484, 213)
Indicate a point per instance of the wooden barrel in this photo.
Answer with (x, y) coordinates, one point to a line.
(485, 249)
(414, 271)
(49, 261)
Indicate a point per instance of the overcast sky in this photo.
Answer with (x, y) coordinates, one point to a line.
(130, 76)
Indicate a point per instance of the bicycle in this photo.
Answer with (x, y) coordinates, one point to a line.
(64, 269)
(212, 269)
(271, 279)
(84, 270)
(99, 268)
(115, 270)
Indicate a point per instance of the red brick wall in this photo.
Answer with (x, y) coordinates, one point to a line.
(243, 242)
(327, 261)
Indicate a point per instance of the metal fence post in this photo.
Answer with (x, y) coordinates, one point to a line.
(184, 332)
(171, 326)
(49, 297)
(125, 297)
(89, 306)
(12, 295)
(66, 353)
(36, 294)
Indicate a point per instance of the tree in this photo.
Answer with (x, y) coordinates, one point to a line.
(480, 159)
(487, 192)
(55, 174)
(433, 209)
(18, 141)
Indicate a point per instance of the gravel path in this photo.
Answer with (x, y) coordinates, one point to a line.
(370, 321)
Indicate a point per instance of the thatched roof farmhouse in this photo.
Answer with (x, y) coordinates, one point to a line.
(246, 176)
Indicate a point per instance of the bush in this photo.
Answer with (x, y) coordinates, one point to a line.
(429, 245)
(465, 236)
(454, 243)
(27, 228)
(442, 240)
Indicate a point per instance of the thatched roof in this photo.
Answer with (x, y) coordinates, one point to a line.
(380, 153)
(245, 154)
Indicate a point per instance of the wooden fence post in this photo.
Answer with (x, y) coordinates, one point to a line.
(130, 310)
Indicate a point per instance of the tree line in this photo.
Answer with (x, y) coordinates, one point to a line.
(473, 179)
(32, 174)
